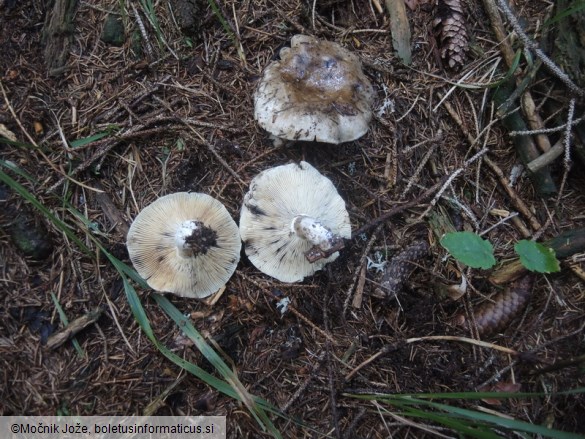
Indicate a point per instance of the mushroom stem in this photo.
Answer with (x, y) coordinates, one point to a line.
(324, 241)
(194, 238)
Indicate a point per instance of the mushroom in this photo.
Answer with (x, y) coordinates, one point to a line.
(185, 243)
(317, 91)
(293, 222)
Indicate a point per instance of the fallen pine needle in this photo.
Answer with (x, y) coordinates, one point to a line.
(465, 340)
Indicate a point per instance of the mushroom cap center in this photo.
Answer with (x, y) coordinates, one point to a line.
(316, 73)
(193, 238)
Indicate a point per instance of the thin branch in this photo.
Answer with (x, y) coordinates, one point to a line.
(539, 53)
(546, 130)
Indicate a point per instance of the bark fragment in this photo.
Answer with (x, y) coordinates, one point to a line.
(58, 34)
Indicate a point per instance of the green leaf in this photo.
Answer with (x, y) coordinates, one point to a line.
(537, 257)
(470, 249)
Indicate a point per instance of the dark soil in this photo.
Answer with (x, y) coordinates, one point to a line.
(175, 113)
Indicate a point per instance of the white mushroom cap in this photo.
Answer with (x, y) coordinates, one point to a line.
(185, 243)
(290, 212)
(316, 92)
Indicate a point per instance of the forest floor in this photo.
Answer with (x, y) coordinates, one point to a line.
(105, 129)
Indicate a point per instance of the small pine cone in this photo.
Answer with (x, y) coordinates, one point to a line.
(450, 24)
(400, 266)
(495, 315)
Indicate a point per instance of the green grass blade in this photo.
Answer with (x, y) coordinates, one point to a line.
(87, 140)
(575, 7)
(478, 419)
(510, 424)
(212, 356)
(24, 193)
(230, 387)
(142, 319)
(467, 395)
(148, 8)
(228, 29)
(14, 168)
(16, 143)
(460, 426)
(65, 322)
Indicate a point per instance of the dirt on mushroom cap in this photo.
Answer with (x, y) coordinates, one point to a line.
(316, 92)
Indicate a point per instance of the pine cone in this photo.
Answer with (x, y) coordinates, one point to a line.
(400, 267)
(495, 315)
(450, 25)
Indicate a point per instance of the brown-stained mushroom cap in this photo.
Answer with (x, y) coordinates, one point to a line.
(291, 214)
(315, 92)
(185, 243)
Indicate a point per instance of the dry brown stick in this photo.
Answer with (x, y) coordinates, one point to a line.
(547, 158)
(516, 200)
(535, 122)
(471, 341)
(565, 244)
(385, 349)
(561, 364)
(498, 27)
(530, 44)
(193, 121)
(57, 35)
(526, 149)
(391, 347)
(176, 123)
(422, 163)
(73, 328)
(301, 316)
(356, 275)
(562, 127)
(113, 113)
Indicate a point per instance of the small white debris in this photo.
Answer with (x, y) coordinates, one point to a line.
(387, 104)
(282, 305)
(378, 264)
(515, 173)
(351, 168)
